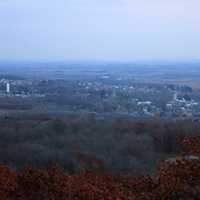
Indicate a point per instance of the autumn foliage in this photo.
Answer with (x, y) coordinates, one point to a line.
(176, 178)
(191, 145)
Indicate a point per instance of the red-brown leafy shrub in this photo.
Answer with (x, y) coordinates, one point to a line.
(179, 179)
(191, 145)
(8, 182)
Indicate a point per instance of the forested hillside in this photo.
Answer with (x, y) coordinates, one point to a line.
(176, 178)
(120, 147)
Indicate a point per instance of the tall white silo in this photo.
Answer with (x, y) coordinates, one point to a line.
(8, 87)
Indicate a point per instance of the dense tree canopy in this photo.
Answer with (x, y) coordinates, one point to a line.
(177, 177)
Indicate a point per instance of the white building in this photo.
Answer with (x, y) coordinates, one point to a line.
(175, 97)
(8, 87)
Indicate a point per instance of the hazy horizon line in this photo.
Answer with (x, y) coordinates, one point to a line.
(98, 61)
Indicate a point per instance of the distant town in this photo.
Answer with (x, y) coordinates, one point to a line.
(101, 95)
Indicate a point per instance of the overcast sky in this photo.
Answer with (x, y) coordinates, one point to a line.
(99, 29)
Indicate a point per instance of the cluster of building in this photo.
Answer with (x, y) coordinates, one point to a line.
(183, 108)
(18, 88)
(109, 96)
(148, 101)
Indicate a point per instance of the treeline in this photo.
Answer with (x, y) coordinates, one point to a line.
(117, 147)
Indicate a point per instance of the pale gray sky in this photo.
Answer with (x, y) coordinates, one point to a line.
(99, 29)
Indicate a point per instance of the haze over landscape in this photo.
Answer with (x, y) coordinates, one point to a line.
(99, 100)
(99, 30)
